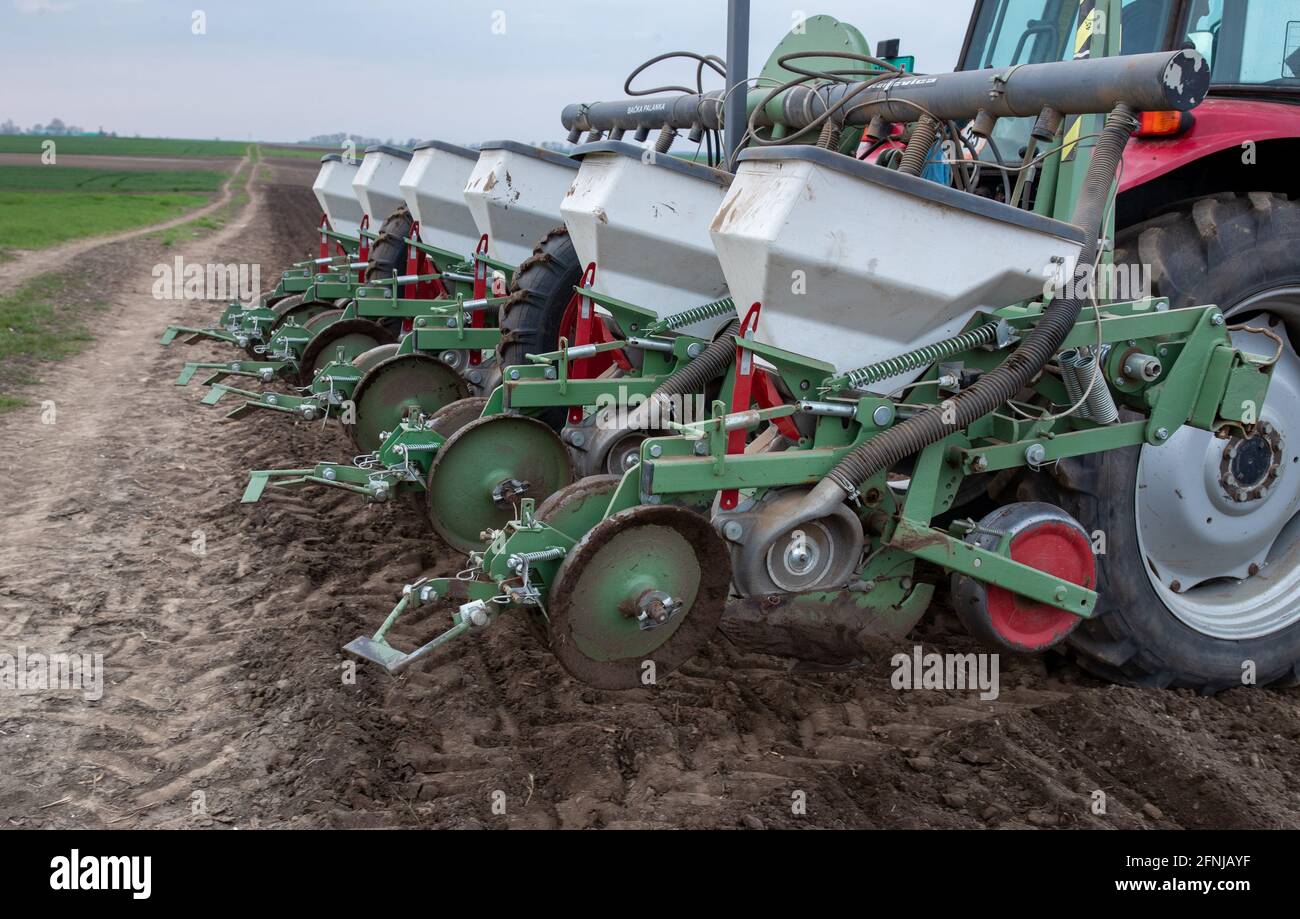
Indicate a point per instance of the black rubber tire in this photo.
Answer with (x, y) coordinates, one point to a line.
(539, 295)
(1218, 250)
(388, 254)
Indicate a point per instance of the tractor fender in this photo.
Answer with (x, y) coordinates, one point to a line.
(1220, 124)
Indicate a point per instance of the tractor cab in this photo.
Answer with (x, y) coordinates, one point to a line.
(1252, 46)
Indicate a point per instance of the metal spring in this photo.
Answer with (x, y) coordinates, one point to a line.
(1100, 405)
(724, 307)
(915, 360)
(521, 561)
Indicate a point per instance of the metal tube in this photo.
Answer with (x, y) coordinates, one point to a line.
(737, 71)
(1160, 81)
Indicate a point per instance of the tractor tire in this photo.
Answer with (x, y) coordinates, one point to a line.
(1223, 250)
(539, 295)
(388, 254)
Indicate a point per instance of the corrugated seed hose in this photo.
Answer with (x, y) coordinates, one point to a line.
(693, 376)
(1014, 374)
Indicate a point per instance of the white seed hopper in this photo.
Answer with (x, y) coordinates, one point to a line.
(434, 188)
(377, 182)
(644, 220)
(333, 189)
(855, 263)
(515, 192)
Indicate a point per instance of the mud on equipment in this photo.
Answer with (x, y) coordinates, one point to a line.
(512, 193)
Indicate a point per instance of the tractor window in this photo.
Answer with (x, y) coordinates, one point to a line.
(1248, 42)
(1011, 32)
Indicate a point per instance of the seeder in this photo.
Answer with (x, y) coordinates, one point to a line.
(644, 319)
(942, 348)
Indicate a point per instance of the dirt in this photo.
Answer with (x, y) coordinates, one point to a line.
(227, 701)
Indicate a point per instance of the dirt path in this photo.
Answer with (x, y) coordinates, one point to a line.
(25, 264)
(226, 701)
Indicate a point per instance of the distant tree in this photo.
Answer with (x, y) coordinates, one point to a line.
(9, 127)
(56, 127)
(37, 129)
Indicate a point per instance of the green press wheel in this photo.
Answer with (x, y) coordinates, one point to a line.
(483, 471)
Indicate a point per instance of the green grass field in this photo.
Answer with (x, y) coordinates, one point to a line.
(75, 178)
(36, 220)
(123, 146)
(44, 320)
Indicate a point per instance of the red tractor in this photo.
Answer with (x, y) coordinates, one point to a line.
(1201, 564)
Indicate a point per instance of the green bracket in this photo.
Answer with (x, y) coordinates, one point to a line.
(941, 549)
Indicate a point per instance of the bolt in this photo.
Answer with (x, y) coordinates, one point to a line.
(977, 563)
(550, 373)
(733, 530)
(980, 463)
(656, 451)
(272, 399)
(514, 374)
(1253, 569)
(577, 438)
(1036, 454)
(883, 415)
(1061, 593)
(695, 350)
(1162, 434)
(1217, 319)
(427, 594)
(448, 357)
(421, 322)
(329, 475)
(701, 448)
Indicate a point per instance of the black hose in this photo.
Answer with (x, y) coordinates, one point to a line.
(1014, 374)
(694, 375)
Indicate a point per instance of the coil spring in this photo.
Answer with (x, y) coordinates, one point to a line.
(691, 316)
(915, 360)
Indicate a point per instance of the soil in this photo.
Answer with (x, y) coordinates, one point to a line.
(227, 700)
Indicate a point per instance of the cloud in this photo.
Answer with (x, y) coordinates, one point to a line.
(44, 6)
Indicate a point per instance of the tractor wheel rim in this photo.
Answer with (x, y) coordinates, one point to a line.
(1217, 521)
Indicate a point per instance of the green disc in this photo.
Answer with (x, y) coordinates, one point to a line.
(374, 356)
(396, 388)
(295, 309)
(577, 508)
(354, 336)
(611, 577)
(483, 471)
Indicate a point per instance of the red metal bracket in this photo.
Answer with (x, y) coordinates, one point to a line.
(766, 395)
(363, 251)
(324, 237)
(741, 394)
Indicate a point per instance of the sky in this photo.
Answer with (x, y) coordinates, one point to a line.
(462, 71)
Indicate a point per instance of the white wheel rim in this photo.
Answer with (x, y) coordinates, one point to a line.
(1229, 567)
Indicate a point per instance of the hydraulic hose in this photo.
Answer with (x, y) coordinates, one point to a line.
(1014, 374)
